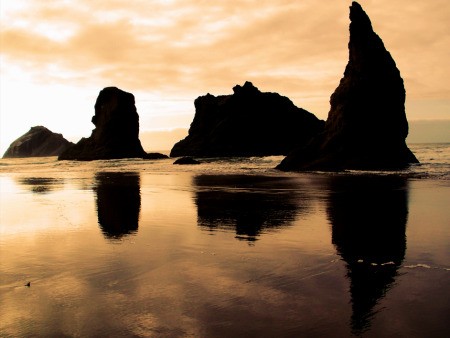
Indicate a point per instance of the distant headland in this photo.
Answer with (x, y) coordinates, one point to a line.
(37, 142)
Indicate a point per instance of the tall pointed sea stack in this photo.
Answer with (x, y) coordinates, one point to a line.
(116, 133)
(366, 126)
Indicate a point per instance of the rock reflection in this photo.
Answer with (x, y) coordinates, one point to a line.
(248, 205)
(41, 185)
(368, 217)
(118, 203)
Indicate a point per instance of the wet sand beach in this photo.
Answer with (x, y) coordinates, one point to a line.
(134, 248)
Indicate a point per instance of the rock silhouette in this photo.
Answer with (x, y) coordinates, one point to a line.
(246, 123)
(37, 142)
(368, 215)
(116, 133)
(186, 160)
(366, 126)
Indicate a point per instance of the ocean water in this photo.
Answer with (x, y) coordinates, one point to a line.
(227, 248)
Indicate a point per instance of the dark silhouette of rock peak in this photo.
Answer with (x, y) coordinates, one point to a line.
(247, 89)
(247, 123)
(37, 142)
(116, 133)
(366, 125)
(115, 112)
(359, 18)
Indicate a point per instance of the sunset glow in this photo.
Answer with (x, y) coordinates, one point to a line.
(57, 55)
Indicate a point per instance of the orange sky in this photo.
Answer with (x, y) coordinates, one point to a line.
(56, 55)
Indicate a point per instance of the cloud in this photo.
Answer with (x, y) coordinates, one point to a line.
(184, 45)
(194, 42)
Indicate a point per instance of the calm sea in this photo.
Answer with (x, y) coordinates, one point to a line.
(227, 248)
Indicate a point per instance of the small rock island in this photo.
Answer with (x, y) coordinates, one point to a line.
(37, 142)
(116, 133)
(366, 126)
(246, 123)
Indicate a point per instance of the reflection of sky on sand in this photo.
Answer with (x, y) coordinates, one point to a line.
(28, 214)
(173, 278)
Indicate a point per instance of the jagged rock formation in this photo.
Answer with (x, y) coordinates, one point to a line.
(116, 133)
(366, 126)
(37, 142)
(247, 123)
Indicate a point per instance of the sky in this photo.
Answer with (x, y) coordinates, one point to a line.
(56, 55)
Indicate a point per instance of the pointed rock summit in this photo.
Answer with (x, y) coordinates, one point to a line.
(116, 133)
(246, 123)
(37, 142)
(366, 126)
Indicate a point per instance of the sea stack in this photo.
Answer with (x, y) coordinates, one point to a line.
(366, 126)
(246, 123)
(37, 142)
(116, 133)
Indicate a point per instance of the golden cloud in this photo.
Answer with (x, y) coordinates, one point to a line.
(194, 47)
